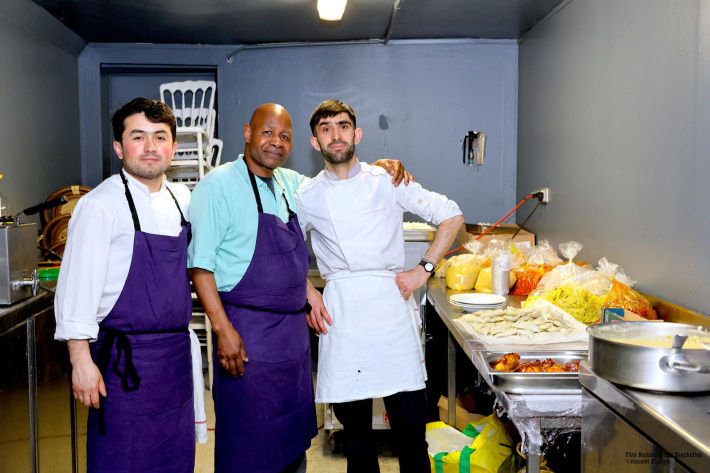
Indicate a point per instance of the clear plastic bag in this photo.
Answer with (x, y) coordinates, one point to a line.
(583, 294)
(484, 282)
(561, 273)
(461, 275)
(622, 296)
(539, 260)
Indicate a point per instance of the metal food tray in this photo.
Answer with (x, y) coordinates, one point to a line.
(419, 234)
(536, 383)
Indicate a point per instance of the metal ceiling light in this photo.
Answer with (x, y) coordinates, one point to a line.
(331, 10)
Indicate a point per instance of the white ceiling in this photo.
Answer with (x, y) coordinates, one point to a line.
(275, 21)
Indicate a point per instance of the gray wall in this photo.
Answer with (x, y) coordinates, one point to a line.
(414, 102)
(614, 117)
(39, 110)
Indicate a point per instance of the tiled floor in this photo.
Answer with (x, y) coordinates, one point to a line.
(320, 458)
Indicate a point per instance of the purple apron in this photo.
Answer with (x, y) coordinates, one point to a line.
(146, 422)
(266, 418)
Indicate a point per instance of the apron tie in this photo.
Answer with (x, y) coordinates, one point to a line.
(122, 345)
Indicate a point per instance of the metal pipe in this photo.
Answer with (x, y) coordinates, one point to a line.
(300, 44)
(390, 29)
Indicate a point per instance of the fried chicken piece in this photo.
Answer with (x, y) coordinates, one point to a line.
(531, 367)
(572, 366)
(508, 362)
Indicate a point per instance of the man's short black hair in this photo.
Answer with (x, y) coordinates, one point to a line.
(155, 111)
(331, 108)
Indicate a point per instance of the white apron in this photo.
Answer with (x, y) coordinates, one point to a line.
(373, 348)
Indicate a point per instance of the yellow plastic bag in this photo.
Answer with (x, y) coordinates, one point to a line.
(484, 282)
(462, 276)
(484, 455)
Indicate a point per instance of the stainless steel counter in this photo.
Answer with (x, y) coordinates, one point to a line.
(531, 413)
(37, 416)
(678, 424)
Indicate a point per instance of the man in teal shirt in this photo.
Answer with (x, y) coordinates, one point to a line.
(249, 265)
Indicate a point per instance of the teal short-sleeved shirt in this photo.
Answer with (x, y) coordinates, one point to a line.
(224, 218)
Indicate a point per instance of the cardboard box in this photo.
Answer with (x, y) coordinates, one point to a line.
(463, 417)
(469, 232)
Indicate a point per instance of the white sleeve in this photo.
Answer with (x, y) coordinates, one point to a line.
(83, 272)
(430, 206)
(303, 218)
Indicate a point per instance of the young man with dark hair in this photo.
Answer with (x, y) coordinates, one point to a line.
(370, 343)
(124, 286)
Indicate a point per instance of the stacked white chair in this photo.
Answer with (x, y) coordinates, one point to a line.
(192, 103)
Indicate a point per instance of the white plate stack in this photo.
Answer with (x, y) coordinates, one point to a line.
(475, 302)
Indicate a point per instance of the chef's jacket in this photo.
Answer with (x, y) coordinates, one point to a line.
(373, 348)
(99, 249)
(225, 220)
(379, 243)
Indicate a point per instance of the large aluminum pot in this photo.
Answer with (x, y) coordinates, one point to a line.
(652, 368)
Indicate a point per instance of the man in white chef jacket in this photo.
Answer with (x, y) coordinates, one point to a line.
(124, 286)
(369, 345)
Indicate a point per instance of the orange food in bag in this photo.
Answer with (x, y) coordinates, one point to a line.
(622, 296)
(528, 278)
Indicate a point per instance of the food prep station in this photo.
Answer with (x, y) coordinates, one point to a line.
(538, 403)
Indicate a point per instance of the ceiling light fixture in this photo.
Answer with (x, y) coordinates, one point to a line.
(331, 10)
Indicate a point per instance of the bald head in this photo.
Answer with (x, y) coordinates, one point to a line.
(267, 139)
(263, 112)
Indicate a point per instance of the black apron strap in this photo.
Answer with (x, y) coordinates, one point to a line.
(254, 188)
(291, 214)
(131, 205)
(259, 207)
(183, 222)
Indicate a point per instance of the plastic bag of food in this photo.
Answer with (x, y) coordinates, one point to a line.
(576, 301)
(561, 273)
(583, 295)
(484, 283)
(462, 274)
(485, 277)
(475, 247)
(622, 296)
(539, 260)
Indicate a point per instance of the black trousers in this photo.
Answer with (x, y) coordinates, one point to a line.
(407, 418)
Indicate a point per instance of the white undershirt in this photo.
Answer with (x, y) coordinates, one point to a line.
(99, 248)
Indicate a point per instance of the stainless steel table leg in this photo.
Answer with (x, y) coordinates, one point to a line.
(451, 370)
(533, 460)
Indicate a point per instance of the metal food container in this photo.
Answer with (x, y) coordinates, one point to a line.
(650, 368)
(18, 262)
(419, 234)
(536, 383)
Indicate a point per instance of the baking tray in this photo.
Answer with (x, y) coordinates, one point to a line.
(535, 383)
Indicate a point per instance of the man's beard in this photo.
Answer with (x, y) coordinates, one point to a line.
(146, 172)
(338, 157)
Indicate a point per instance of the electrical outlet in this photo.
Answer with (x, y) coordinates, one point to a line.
(545, 195)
